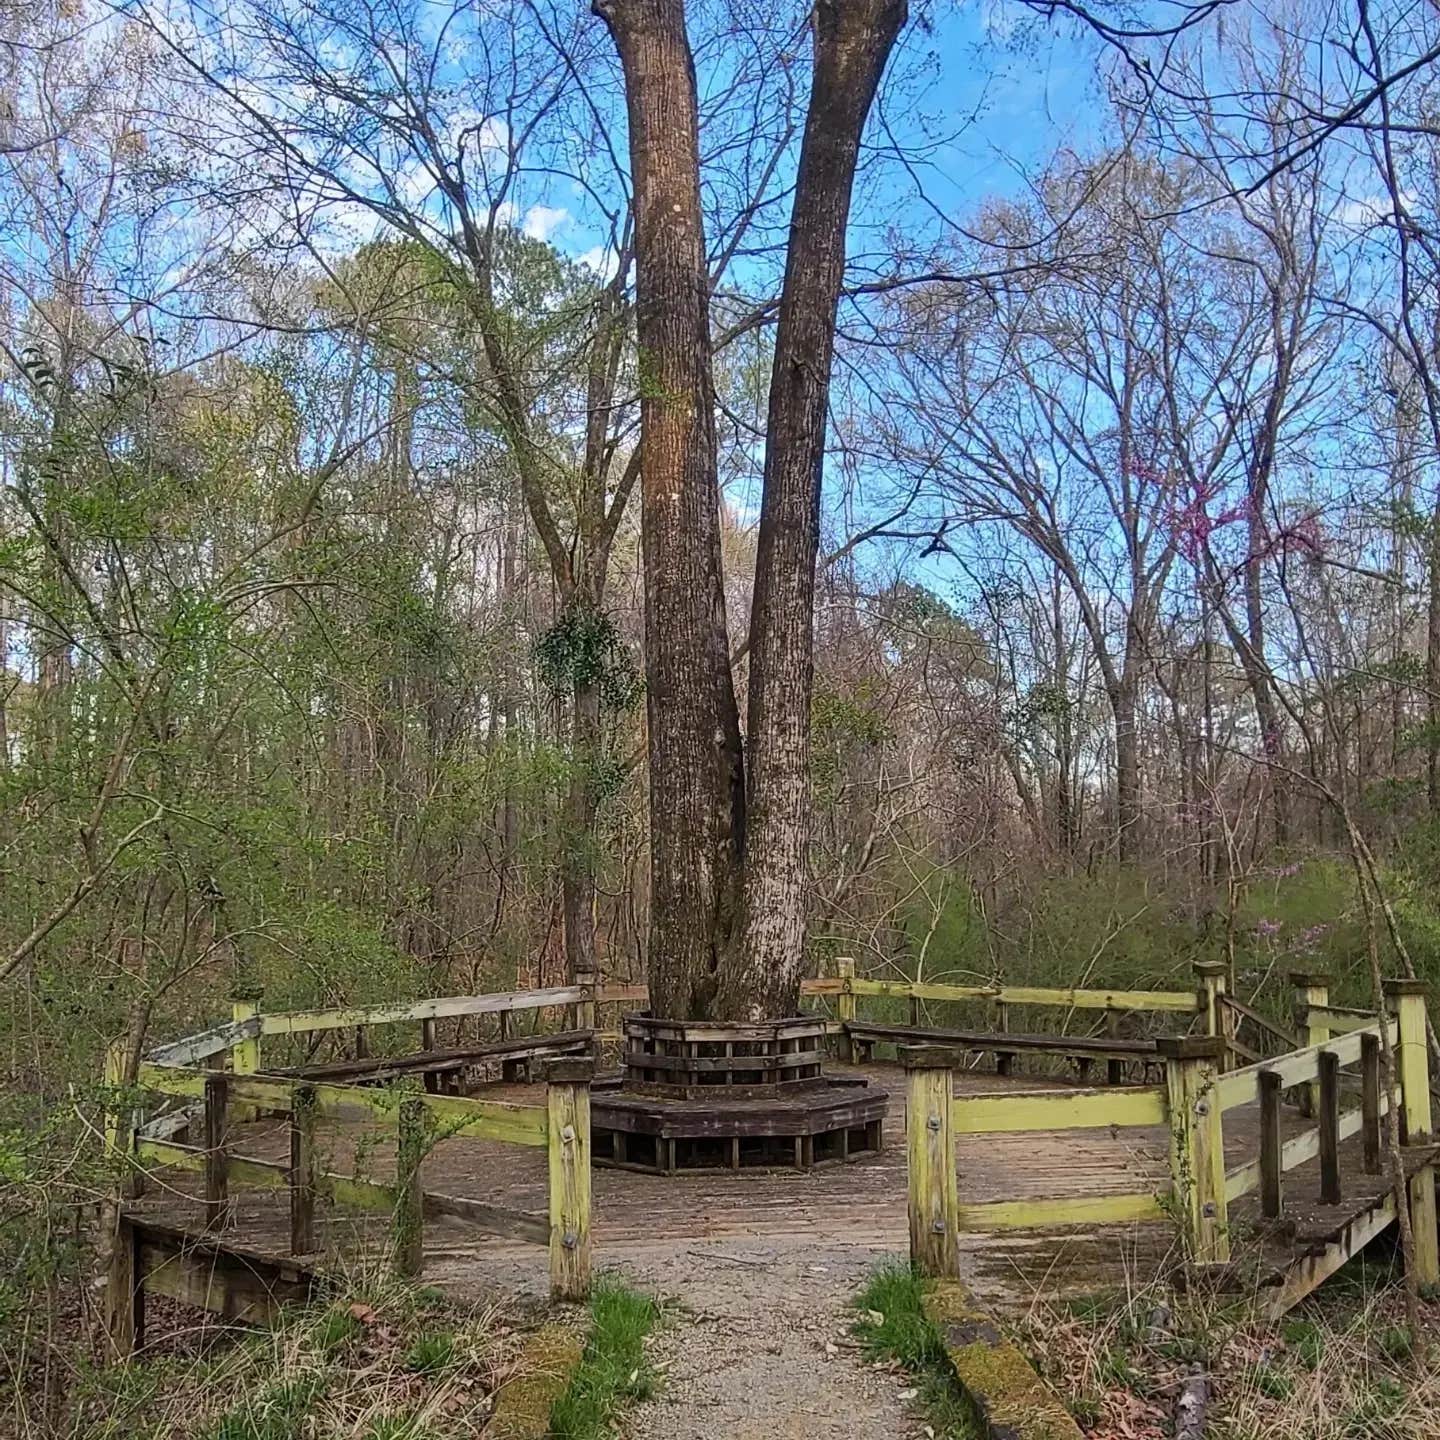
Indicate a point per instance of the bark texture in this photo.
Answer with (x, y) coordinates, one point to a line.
(853, 40)
(696, 794)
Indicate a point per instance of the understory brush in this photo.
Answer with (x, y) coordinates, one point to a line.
(1340, 1366)
(391, 1364)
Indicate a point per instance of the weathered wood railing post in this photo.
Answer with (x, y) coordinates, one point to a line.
(124, 1293)
(218, 1209)
(1114, 1066)
(1311, 989)
(1329, 1129)
(585, 1010)
(1197, 1146)
(1272, 1153)
(245, 1054)
(1370, 1056)
(121, 1124)
(567, 1119)
(934, 1205)
(427, 1034)
(1211, 976)
(845, 1007)
(412, 1141)
(1405, 1000)
(302, 1170)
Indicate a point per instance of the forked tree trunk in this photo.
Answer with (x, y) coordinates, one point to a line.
(706, 827)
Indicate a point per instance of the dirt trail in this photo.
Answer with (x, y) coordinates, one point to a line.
(758, 1346)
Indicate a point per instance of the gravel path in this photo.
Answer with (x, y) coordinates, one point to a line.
(757, 1346)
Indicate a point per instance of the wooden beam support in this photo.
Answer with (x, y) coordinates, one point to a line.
(567, 1106)
(245, 1053)
(933, 1198)
(845, 1007)
(218, 1209)
(412, 1143)
(1114, 1066)
(124, 1295)
(1211, 977)
(585, 1006)
(302, 1172)
(1311, 989)
(1329, 1129)
(1370, 1102)
(1197, 1146)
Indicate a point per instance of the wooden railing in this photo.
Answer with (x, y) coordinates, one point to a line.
(934, 1116)
(214, 1099)
(1191, 1107)
(847, 985)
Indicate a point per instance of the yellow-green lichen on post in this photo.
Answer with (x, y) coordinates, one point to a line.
(413, 1140)
(1406, 1001)
(845, 1005)
(245, 1054)
(1211, 977)
(1197, 1144)
(933, 1202)
(567, 1105)
(585, 1007)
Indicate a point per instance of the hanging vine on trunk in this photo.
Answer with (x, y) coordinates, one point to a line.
(583, 648)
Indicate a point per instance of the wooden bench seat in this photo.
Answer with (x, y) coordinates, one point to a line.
(862, 1036)
(441, 1069)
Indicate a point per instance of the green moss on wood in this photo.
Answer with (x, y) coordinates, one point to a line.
(547, 1364)
(1011, 1398)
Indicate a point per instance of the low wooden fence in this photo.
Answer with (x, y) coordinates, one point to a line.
(218, 1079)
(1191, 1106)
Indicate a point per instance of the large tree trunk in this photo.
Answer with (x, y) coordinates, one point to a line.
(696, 777)
(1127, 768)
(705, 829)
(1432, 670)
(853, 39)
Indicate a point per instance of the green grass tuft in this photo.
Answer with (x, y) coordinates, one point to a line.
(275, 1414)
(892, 1325)
(614, 1369)
(335, 1330)
(430, 1354)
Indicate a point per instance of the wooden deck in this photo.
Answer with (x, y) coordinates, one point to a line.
(783, 1216)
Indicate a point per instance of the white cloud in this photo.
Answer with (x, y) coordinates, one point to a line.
(542, 221)
(601, 259)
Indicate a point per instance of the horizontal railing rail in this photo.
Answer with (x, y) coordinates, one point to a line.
(1299, 1067)
(1024, 1110)
(1182, 1002)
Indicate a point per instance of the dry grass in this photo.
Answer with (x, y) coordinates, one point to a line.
(396, 1364)
(1341, 1366)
